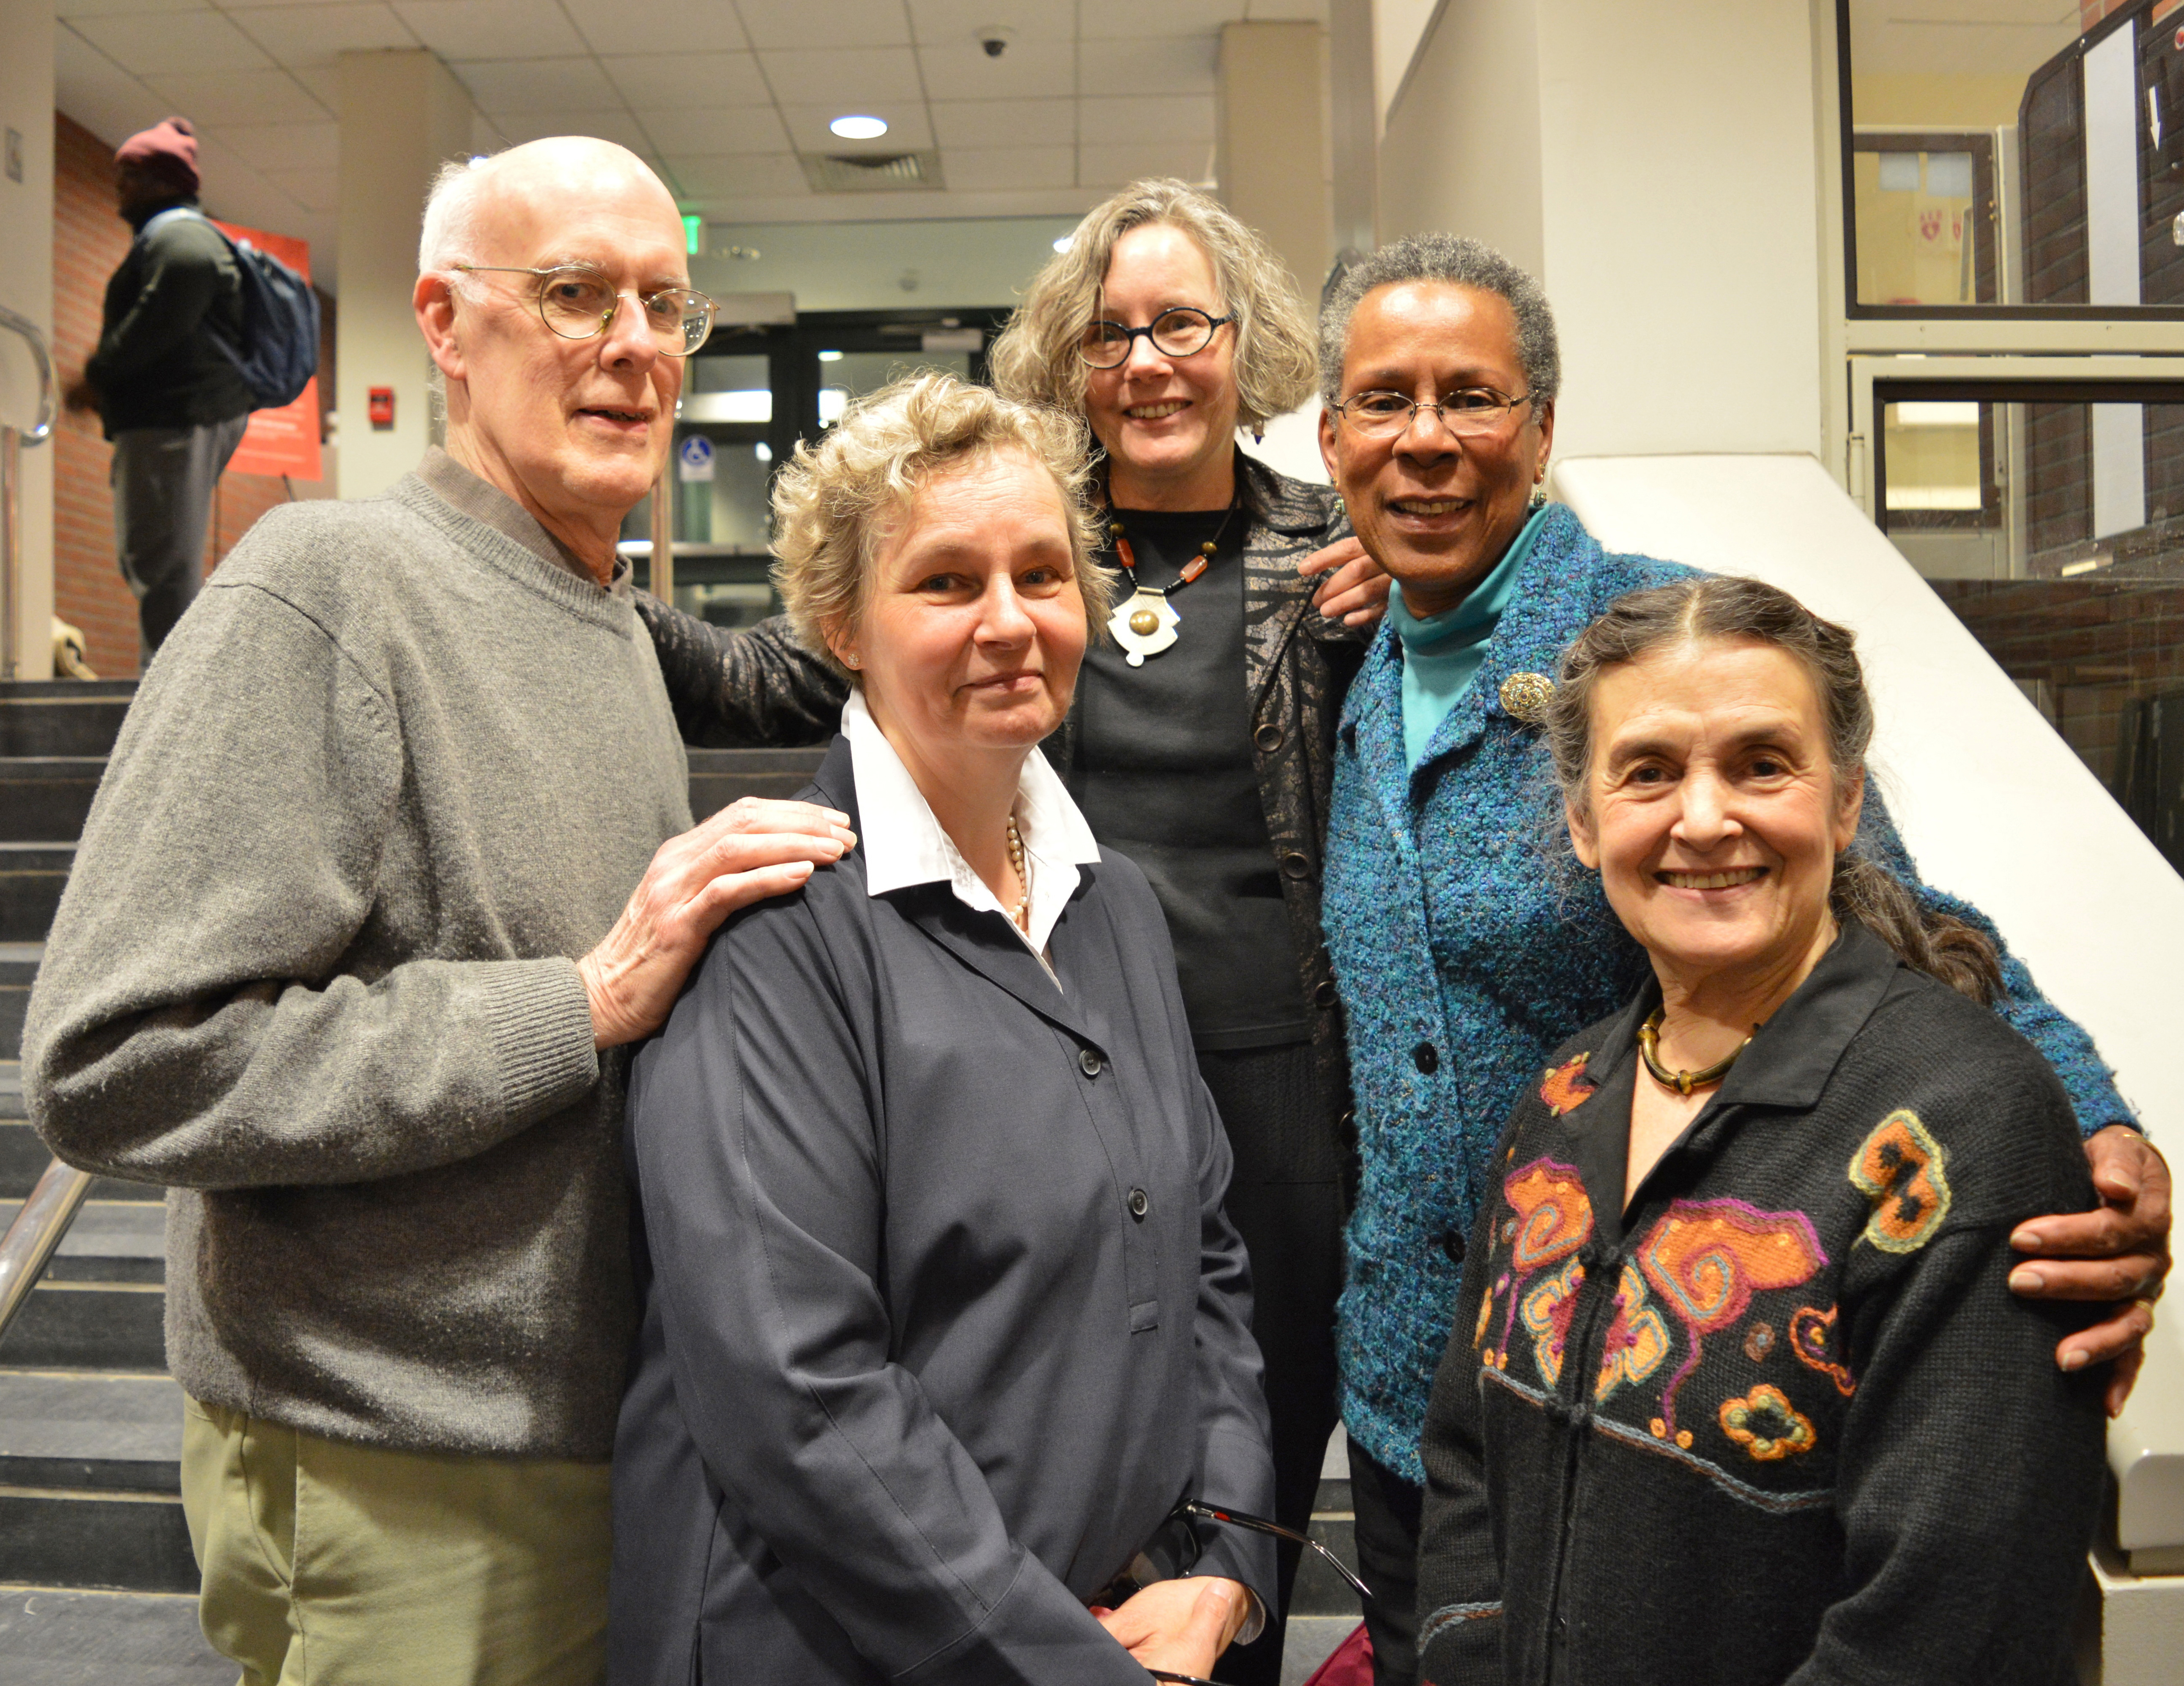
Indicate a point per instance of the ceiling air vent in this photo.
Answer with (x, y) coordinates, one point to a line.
(872, 172)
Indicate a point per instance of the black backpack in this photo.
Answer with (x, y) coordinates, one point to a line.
(278, 352)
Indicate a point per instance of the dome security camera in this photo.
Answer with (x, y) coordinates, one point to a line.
(994, 38)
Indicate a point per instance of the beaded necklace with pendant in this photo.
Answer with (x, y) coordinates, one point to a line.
(1145, 622)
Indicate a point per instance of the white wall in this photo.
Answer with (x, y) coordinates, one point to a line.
(1654, 163)
(976, 263)
(403, 114)
(26, 287)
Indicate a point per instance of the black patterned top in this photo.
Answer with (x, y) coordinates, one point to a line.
(1781, 1417)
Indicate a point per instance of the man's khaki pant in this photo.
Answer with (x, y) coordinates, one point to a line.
(327, 1564)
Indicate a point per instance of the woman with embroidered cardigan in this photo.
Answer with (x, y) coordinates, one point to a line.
(1737, 1391)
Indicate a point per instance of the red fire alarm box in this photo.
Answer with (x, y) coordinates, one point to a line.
(383, 409)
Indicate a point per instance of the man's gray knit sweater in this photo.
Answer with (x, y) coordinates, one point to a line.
(314, 970)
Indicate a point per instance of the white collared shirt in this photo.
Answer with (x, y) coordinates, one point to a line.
(904, 844)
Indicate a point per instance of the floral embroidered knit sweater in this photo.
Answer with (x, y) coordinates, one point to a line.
(1782, 1419)
(1464, 954)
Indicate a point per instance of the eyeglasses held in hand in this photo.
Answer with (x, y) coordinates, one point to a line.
(577, 302)
(1472, 412)
(1214, 1513)
(1182, 331)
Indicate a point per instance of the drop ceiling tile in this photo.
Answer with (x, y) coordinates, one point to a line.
(1029, 69)
(512, 84)
(99, 93)
(175, 43)
(239, 96)
(738, 176)
(612, 122)
(1112, 166)
(492, 29)
(1179, 65)
(670, 81)
(982, 169)
(1004, 122)
(314, 190)
(285, 146)
(614, 26)
(818, 76)
(1294, 11)
(1142, 19)
(743, 129)
(907, 128)
(869, 23)
(323, 81)
(299, 34)
(1166, 117)
(951, 23)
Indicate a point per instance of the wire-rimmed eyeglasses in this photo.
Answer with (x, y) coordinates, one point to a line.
(1216, 1513)
(577, 302)
(1468, 413)
(1182, 331)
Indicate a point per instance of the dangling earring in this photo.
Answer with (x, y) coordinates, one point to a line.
(1258, 436)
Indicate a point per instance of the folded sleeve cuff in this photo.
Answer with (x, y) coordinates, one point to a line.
(542, 1034)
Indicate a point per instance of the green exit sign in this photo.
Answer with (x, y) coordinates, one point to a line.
(694, 235)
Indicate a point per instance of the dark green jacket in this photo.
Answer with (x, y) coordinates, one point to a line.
(173, 300)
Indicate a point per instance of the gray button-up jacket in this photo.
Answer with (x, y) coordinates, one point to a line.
(941, 1314)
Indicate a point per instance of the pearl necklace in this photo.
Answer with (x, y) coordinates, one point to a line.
(1021, 917)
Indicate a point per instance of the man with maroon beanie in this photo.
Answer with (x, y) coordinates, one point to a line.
(163, 379)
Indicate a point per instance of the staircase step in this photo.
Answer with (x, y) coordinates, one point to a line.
(90, 1430)
(88, 1326)
(32, 876)
(114, 1241)
(18, 965)
(44, 799)
(720, 776)
(106, 1638)
(84, 1537)
(24, 1159)
(63, 717)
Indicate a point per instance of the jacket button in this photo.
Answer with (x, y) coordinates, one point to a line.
(1089, 1060)
(1324, 994)
(1295, 865)
(1455, 1246)
(1267, 738)
(1140, 1205)
(1425, 1059)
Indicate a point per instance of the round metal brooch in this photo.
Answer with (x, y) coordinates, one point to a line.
(1526, 696)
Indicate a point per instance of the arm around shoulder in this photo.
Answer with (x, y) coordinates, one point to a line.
(742, 689)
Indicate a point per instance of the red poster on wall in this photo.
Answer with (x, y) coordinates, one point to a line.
(284, 441)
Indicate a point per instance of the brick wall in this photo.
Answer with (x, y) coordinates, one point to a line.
(89, 240)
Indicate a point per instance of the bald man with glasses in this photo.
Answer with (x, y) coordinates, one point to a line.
(393, 860)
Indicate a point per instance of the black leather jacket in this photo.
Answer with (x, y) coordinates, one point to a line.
(760, 687)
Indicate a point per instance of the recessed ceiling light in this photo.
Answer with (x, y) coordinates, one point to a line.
(1062, 244)
(830, 357)
(859, 128)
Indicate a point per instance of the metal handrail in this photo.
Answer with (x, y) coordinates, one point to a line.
(42, 429)
(35, 1235)
(12, 440)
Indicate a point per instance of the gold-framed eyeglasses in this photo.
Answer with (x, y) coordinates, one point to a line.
(577, 302)
(1181, 332)
(1468, 413)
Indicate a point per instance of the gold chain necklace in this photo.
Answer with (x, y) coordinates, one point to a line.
(1144, 623)
(1683, 1082)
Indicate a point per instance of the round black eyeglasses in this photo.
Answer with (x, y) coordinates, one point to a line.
(1180, 331)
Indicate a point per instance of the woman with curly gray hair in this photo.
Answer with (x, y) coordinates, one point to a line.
(1201, 743)
(899, 1407)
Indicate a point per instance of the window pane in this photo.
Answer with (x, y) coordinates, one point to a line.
(2055, 531)
(852, 373)
(2016, 151)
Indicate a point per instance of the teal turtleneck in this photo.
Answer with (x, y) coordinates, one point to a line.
(1442, 652)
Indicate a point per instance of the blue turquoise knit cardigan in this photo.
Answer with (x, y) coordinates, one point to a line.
(1468, 947)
